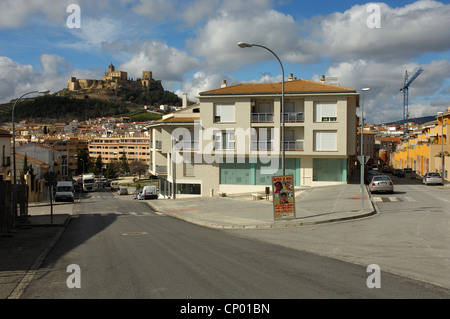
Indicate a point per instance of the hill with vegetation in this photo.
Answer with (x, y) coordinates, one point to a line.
(65, 106)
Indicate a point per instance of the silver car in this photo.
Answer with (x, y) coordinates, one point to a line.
(432, 178)
(381, 183)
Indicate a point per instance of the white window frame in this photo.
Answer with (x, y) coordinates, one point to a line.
(325, 141)
(224, 140)
(224, 113)
(325, 110)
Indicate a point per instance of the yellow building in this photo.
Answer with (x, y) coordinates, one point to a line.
(421, 150)
(111, 148)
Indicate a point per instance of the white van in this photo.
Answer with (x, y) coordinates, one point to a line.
(149, 192)
(114, 185)
(64, 191)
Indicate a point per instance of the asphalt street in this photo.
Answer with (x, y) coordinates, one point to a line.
(124, 249)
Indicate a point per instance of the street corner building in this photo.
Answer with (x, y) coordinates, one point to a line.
(230, 141)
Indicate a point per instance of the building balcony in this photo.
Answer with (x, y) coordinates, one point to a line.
(187, 145)
(293, 145)
(262, 117)
(294, 117)
(261, 146)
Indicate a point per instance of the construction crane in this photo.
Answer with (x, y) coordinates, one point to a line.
(405, 90)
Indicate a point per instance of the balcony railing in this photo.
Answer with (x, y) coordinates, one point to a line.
(261, 146)
(294, 117)
(293, 145)
(187, 145)
(262, 117)
(161, 169)
(268, 117)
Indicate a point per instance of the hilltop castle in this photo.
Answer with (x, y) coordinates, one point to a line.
(114, 79)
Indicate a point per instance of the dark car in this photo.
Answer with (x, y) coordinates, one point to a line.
(369, 175)
(399, 172)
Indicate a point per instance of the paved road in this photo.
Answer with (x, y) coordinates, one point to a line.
(410, 236)
(125, 250)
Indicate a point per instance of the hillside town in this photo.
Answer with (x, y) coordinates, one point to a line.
(310, 153)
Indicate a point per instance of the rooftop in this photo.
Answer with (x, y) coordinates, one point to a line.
(290, 87)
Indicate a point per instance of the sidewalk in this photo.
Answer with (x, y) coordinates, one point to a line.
(23, 251)
(313, 206)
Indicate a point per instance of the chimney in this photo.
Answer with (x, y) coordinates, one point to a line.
(322, 78)
(184, 99)
(224, 84)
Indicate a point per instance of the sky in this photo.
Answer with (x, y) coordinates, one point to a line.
(191, 46)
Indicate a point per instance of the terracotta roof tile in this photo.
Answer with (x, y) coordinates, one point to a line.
(295, 86)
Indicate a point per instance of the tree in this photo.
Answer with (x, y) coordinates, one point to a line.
(124, 163)
(110, 171)
(137, 168)
(99, 163)
(83, 162)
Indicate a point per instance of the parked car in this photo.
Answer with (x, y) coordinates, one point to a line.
(64, 191)
(369, 175)
(149, 192)
(432, 178)
(123, 191)
(381, 183)
(114, 185)
(399, 172)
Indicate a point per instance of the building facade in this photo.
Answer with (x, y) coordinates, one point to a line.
(426, 149)
(233, 144)
(112, 148)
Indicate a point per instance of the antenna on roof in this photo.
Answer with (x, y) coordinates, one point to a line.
(264, 76)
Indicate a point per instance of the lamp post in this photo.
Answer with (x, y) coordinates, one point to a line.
(362, 158)
(441, 114)
(13, 131)
(249, 45)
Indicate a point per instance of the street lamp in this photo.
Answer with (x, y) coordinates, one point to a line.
(441, 114)
(249, 45)
(13, 131)
(362, 157)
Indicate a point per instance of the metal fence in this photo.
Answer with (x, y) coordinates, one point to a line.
(13, 206)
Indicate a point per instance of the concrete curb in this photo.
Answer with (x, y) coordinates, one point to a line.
(274, 225)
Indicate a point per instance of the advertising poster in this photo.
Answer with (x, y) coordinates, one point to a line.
(283, 197)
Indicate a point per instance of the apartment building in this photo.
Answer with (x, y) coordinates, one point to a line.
(65, 152)
(232, 143)
(421, 150)
(112, 148)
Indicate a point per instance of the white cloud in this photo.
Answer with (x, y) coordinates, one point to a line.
(404, 32)
(157, 10)
(217, 41)
(16, 13)
(384, 101)
(166, 63)
(17, 79)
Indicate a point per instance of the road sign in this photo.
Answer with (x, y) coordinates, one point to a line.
(363, 157)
